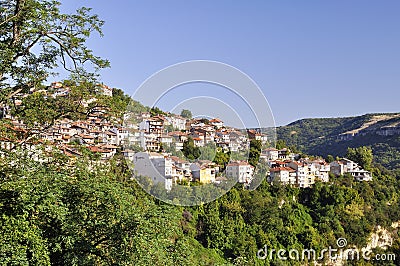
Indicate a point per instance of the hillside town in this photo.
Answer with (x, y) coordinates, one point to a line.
(150, 141)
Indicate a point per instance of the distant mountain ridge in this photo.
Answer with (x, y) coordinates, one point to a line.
(323, 136)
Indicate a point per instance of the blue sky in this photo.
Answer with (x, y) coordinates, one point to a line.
(310, 58)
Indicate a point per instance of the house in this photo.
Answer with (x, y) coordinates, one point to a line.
(87, 139)
(234, 145)
(155, 166)
(155, 125)
(322, 170)
(95, 133)
(241, 171)
(122, 135)
(166, 140)
(278, 163)
(305, 173)
(56, 85)
(61, 92)
(105, 90)
(111, 148)
(207, 133)
(345, 165)
(253, 134)
(270, 154)
(284, 154)
(111, 138)
(224, 136)
(179, 138)
(128, 154)
(285, 175)
(217, 122)
(134, 137)
(70, 152)
(178, 174)
(179, 145)
(198, 142)
(203, 173)
(342, 166)
(182, 164)
(104, 153)
(177, 122)
(361, 175)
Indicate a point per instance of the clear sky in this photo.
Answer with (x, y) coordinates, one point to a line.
(310, 58)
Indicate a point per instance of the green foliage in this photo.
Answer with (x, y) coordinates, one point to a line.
(157, 111)
(221, 158)
(60, 211)
(254, 152)
(61, 214)
(361, 155)
(280, 144)
(59, 39)
(320, 137)
(329, 158)
(186, 114)
(208, 152)
(90, 213)
(136, 107)
(190, 151)
(118, 104)
(169, 128)
(173, 151)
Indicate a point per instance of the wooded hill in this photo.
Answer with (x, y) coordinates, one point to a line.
(323, 136)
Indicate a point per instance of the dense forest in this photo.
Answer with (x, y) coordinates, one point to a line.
(89, 212)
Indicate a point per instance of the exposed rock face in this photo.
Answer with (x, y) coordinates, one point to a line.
(381, 238)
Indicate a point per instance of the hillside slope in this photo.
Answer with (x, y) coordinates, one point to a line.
(323, 136)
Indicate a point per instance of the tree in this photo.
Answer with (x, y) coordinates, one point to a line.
(35, 39)
(208, 152)
(329, 158)
(186, 114)
(190, 151)
(221, 158)
(280, 144)
(62, 215)
(156, 111)
(255, 151)
(58, 39)
(361, 155)
(118, 104)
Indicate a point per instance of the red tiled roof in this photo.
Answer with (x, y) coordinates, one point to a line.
(238, 163)
(215, 120)
(97, 149)
(108, 146)
(279, 169)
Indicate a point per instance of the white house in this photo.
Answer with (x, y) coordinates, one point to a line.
(241, 171)
(285, 175)
(178, 122)
(348, 166)
(270, 154)
(217, 122)
(166, 140)
(361, 175)
(305, 173)
(155, 166)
